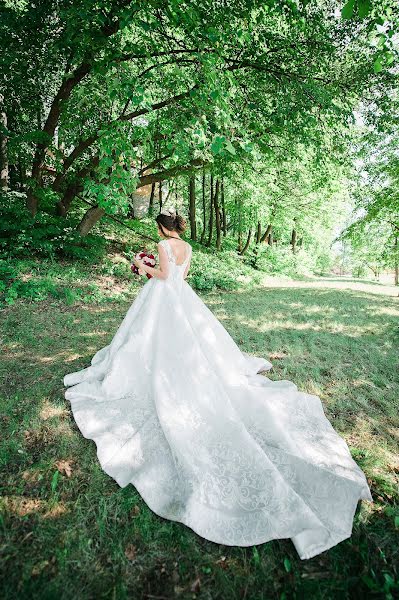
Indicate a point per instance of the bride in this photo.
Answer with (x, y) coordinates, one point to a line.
(178, 410)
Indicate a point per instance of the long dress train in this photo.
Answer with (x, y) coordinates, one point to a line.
(178, 410)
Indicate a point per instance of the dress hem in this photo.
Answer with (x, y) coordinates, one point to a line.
(310, 553)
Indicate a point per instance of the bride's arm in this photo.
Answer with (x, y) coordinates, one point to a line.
(163, 271)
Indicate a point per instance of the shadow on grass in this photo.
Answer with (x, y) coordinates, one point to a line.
(353, 280)
(344, 340)
(337, 344)
(341, 343)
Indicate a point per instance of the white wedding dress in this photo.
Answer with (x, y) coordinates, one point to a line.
(178, 410)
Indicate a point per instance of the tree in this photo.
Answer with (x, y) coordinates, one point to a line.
(169, 89)
(192, 213)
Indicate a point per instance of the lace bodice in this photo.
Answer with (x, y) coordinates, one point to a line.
(176, 271)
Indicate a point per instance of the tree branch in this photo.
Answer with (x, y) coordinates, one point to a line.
(168, 173)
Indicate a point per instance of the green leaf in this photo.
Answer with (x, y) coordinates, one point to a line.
(107, 161)
(54, 481)
(381, 40)
(396, 521)
(144, 25)
(389, 57)
(256, 556)
(377, 65)
(287, 564)
(230, 148)
(389, 581)
(369, 582)
(217, 144)
(347, 10)
(364, 8)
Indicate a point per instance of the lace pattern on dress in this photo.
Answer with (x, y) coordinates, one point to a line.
(171, 255)
(175, 410)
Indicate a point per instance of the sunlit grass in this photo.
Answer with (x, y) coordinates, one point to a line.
(68, 529)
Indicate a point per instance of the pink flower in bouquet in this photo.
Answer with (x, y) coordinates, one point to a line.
(148, 259)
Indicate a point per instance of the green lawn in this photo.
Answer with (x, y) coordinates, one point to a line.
(69, 531)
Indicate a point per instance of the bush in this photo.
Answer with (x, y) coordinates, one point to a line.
(324, 263)
(44, 235)
(13, 286)
(116, 268)
(280, 260)
(225, 271)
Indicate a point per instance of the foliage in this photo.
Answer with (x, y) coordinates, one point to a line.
(280, 260)
(373, 233)
(227, 271)
(44, 235)
(259, 95)
(383, 24)
(141, 84)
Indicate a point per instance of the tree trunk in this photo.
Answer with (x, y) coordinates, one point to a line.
(259, 239)
(258, 232)
(192, 216)
(3, 147)
(234, 219)
(110, 26)
(16, 177)
(239, 243)
(217, 214)
(203, 207)
(210, 215)
(266, 236)
(169, 193)
(64, 204)
(75, 186)
(160, 195)
(247, 242)
(238, 221)
(130, 212)
(224, 221)
(90, 218)
(151, 202)
(293, 240)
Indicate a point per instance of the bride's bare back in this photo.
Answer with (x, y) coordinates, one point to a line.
(179, 249)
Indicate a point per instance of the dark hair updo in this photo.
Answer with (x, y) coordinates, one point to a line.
(173, 222)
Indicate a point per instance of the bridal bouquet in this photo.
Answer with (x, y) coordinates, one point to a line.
(148, 259)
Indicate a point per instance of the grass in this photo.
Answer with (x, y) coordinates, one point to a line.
(69, 531)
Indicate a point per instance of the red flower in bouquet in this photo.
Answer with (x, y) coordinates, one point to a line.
(148, 259)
